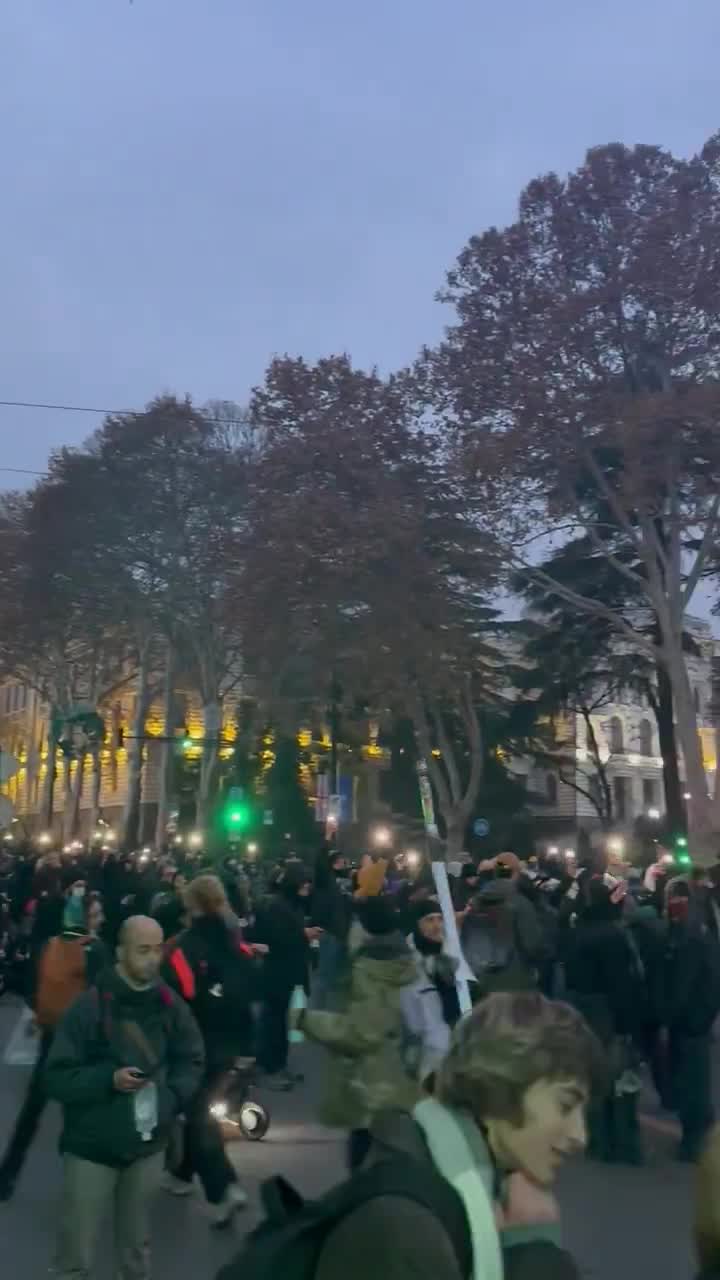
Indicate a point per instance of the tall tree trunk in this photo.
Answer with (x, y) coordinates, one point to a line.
(131, 813)
(67, 794)
(166, 749)
(700, 816)
(48, 790)
(665, 717)
(96, 787)
(455, 825)
(212, 720)
(73, 791)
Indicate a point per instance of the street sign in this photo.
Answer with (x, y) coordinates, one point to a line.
(8, 766)
(481, 827)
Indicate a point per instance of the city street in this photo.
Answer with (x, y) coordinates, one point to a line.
(620, 1223)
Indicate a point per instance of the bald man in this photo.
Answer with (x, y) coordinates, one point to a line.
(126, 1059)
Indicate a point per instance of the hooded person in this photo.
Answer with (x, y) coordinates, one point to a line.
(430, 1004)
(501, 939)
(67, 965)
(606, 981)
(281, 925)
(367, 1070)
(686, 998)
(331, 910)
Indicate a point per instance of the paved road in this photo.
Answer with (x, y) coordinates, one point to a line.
(621, 1224)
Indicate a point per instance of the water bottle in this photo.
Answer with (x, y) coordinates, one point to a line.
(145, 1103)
(298, 1000)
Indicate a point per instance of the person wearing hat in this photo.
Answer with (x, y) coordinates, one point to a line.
(430, 1005)
(77, 952)
(281, 925)
(367, 1072)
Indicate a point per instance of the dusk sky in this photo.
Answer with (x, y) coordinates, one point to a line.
(190, 186)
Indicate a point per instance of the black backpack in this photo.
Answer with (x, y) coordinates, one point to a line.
(289, 1242)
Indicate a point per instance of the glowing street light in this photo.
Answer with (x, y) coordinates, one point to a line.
(687, 795)
(412, 858)
(653, 814)
(616, 845)
(44, 838)
(382, 837)
(252, 847)
(195, 839)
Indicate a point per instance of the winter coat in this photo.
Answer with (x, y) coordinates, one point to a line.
(422, 1011)
(215, 972)
(96, 1037)
(367, 1071)
(395, 1238)
(280, 924)
(331, 909)
(686, 983)
(604, 979)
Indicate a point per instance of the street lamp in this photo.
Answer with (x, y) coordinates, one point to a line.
(687, 795)
(616, 845)
(653, 814)
(44, 837)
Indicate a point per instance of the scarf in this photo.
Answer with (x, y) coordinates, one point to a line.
(460, 1155)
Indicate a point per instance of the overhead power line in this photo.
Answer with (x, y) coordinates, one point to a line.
(120, 413)
(23, 471)
(85, 408)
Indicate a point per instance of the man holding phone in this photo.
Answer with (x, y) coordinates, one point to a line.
(126, 1059)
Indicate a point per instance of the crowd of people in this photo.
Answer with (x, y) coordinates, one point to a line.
(150, 978)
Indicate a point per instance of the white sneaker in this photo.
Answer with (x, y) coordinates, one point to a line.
(235, 1198)
(176, 1186)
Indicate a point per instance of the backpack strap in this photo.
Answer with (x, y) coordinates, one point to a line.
(183, 972)
(399, 1176)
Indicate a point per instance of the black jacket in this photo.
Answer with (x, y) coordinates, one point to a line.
(687, 982)
(95, 1039)
(210, 966)
(605, 981)
(280, 924)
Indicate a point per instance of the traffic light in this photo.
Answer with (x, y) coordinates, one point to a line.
(236, 813)
(682, 857)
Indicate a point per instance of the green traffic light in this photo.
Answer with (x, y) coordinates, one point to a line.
(237, 816)
(681, 842)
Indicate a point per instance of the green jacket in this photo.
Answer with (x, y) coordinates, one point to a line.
(366, 1070)
(97, 1036)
